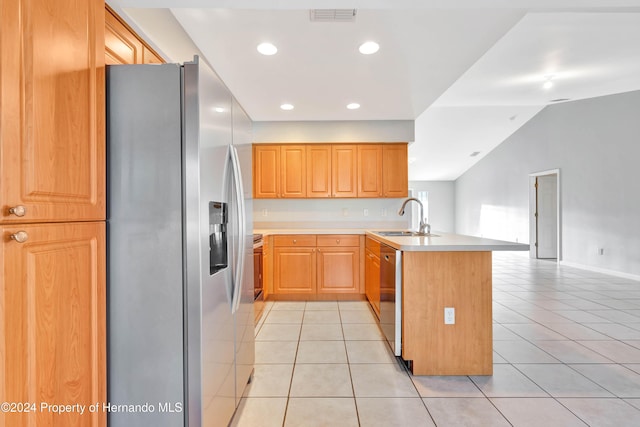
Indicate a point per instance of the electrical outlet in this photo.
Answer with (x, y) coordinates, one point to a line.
(449, 316)
(601, 251)
(345, 211)
(384, 212)
(265, 212)
(365, 212)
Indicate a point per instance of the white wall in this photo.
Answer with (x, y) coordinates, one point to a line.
(596, 145)
(331, 213)
(441, 203)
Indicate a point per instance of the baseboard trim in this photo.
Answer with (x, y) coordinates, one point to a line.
(601, 270)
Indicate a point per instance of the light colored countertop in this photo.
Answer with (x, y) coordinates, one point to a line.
(271, 231)
(443, 242)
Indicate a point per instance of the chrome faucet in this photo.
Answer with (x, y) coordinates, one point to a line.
(423, 223)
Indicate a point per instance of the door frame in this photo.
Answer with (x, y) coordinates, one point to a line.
(533, 253)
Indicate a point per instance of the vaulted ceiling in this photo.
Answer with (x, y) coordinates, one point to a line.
(470, 74)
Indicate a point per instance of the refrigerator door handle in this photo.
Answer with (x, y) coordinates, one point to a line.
(237, 179)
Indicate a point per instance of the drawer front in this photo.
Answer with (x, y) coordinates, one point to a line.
(338, 240)
(373, 245)
(294, 240)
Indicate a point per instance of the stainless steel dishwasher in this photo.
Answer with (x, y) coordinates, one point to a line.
(391, 297)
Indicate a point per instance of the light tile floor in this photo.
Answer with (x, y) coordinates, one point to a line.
(566, 353)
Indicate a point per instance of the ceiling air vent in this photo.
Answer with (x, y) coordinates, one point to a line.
(332, 15)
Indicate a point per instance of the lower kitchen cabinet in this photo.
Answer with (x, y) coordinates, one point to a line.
(294, 270)
(52, 327)
(372, 274)
(338, 263)
(316, 267)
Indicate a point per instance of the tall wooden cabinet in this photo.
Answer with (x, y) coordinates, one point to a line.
(52, 199)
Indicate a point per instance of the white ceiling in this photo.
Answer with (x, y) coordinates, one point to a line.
(470, 73)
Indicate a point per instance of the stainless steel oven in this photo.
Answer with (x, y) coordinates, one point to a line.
(258, 294)
(391, 297)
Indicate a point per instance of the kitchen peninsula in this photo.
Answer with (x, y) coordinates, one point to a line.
(437, 271)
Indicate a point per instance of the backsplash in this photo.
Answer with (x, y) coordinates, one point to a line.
(328, 213)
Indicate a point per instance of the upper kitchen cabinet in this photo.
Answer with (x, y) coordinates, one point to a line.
(266, 171)
(370, 170)
(344, 166)
(52, 111)
(330, 170)
(318, 171)
(395, 170)
(293, 171)
(123, 45)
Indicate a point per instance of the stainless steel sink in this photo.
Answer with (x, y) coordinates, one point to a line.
(405, 233)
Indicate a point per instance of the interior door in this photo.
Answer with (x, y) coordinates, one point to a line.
(547, 216)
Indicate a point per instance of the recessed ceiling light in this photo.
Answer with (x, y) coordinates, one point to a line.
(267, 49)
(353, 106)
(286, 107)
(219, 109)
(367, 48)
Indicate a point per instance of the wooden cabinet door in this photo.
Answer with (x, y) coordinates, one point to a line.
(52, 327)
(52, 110)
(344, 169)
(318, 171)
(338, 270)
(395, 175)
(266, 171)
(293, 164)
(372, 280)
(294, 270)
(120, 45)
(370, 170)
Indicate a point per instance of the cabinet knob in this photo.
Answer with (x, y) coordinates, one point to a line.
(20, 236)
(338, 241)
(18, 210)
(295, 241)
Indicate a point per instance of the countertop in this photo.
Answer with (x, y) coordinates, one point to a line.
(442, 242)
(446, 242)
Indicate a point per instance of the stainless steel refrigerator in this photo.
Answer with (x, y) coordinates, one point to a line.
(180, 255)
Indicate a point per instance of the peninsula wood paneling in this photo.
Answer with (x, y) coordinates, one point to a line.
(435, 280)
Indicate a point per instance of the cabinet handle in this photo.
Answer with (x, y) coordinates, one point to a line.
(20, 236)
(18, 210)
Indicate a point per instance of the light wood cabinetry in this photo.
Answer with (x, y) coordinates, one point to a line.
(344, 170)
(294, 264)
(53, 321)
(330, 170)
(338, 264)
(319, 171)
(266, 171)
(123, 45)
(52, 113)
(372, 273)
(370, 170)
(395, 170)
(293, 172)
(432, 281)
(316, 267)
(52, 196)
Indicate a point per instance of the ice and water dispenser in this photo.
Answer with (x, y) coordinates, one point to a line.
(217, 236)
